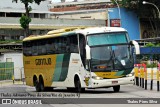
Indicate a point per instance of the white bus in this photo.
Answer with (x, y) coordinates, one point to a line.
(79, 58)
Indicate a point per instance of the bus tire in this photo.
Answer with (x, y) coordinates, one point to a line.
(82, 89)
(70, 89)
(116, 88)
(41, 83)
(42, 88)
(78, 85)
(48, 88)
(37, 86)
(35, 81)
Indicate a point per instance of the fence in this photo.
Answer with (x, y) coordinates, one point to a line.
(6, 70)
(144, 75)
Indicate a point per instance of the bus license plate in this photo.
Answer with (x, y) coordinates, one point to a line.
(114, 82)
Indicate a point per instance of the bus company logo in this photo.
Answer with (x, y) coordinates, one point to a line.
(43, 61)
(6, 101)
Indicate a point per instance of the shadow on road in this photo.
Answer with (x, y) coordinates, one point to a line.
(87, 91)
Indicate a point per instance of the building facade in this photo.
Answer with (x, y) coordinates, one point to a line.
(100, 10)
(42, 20)
(10, 13)
(16, 59)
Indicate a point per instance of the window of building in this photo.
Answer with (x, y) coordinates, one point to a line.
(36, 15)
(42, 15)
(2, 14)
(13, 14)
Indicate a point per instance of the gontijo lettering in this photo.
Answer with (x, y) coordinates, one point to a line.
(43, 61)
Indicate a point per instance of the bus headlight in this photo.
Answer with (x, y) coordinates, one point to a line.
(97, 78)
(131, 74)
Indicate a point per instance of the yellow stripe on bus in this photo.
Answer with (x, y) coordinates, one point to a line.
(107, 74)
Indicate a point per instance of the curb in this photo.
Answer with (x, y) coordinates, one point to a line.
(10, 82)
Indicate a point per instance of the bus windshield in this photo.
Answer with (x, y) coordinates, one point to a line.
(107, 38)
(110, 54)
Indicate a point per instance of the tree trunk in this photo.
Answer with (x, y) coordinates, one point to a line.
(27, 26)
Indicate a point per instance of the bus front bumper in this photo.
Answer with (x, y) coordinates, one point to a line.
(95, 83)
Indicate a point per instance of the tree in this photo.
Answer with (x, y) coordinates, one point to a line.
(25, 18)
(144, 11)
(141, 9)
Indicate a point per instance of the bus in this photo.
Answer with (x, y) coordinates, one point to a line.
(79, 58)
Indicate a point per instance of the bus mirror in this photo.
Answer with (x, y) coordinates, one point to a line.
(88, 50)
(136, 46)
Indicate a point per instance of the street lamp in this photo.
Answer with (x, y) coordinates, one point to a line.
(119, 10)
(144, 2)
(109, 17)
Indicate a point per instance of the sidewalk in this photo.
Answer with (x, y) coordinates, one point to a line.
(9, 82)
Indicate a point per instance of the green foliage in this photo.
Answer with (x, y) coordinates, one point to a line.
(158, 45)
(24, 21)
(150, 45)
(38, 1)
(28, 1)
(142, 10)
(30, 8)
(10, 41)
(152, 65)
(23, 1)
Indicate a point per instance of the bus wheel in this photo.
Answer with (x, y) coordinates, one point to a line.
(82, 89)
(37, 86)
(48, 88)
(70, 89)
(78, 85)
(41, 84)
(116, 88)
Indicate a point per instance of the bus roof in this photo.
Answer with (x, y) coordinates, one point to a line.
(75, 30)
(94, 30)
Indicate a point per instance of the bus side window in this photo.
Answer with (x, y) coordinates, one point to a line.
(63, 45)
(34, 49)
(82, 45)
(50, 47)
(67, 45)
(41, 47)
(73, 44)
(27, 49)
(56, 45)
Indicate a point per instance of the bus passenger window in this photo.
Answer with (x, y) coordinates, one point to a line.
(53, 48)
(63, 45)
(50, 47)
(67, 45)
(56, 45)
(41, 48)
(34, 49)
(27, 49)
(82, 45)
(73, 44)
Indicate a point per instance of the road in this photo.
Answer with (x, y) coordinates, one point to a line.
(53, 98)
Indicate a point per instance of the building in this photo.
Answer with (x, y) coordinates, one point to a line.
(81, 5)
(103, 10)
(41, 23)
(10, 13)
(14, 62)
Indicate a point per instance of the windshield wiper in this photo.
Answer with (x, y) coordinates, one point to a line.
(119, 62)
(115, 58)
